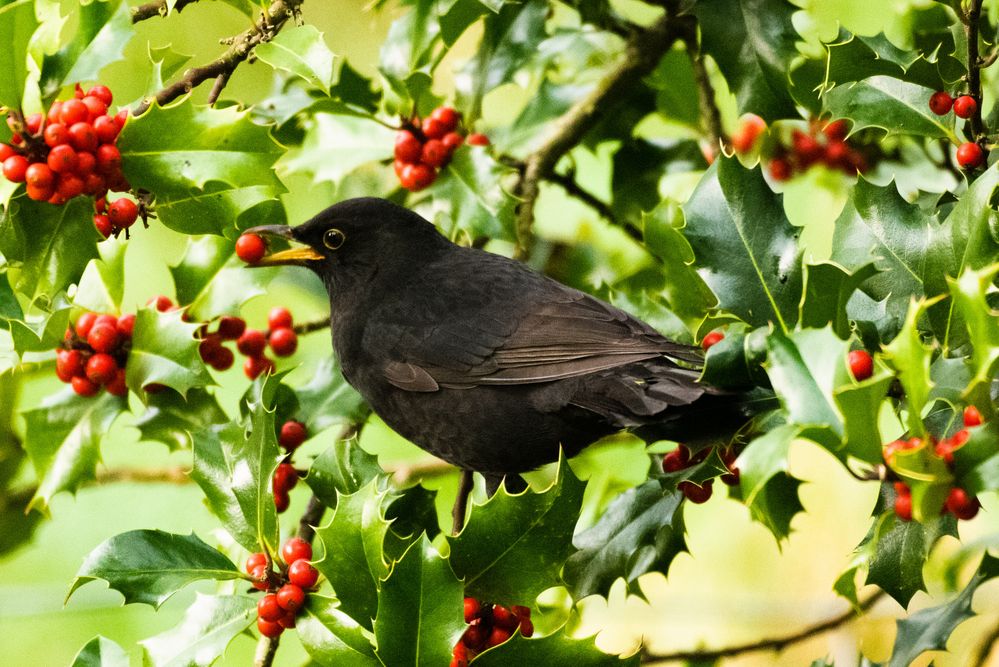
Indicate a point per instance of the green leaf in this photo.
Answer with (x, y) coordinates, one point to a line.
(641, 531)
(63, 437)
(469, 196)
(233, 465)
(212, 281)
(969, 293)
(896, 106)
(41, 334)
(860, 404)
(353, 543)
(222, 209)
(336, 145)
(164, 351)
(101, 652)
(976, 464)
(165, 63)
(408, 49)
(856, 57)
(828, 288)
(541, 651)
(173, 420)
(455, 16)
(910, 358)
(343, 469)
(762, 459)
(331, 637)
(149, 566)
(777, 504)
(17, 25)
(327, 400)
(50, 244)
(103, 31)
(513, 546)
(208, 627)
(301, 51)
(419, 610)
(900, 551)
(746, 250)
(753, 42)
(102, 284)
(10, 308)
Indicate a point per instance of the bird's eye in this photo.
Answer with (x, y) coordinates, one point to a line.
(333, 238)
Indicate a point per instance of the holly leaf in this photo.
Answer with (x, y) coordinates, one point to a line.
(900, 549)
(343, 469)
(641, 531)
(42, 333)
(331, 637)
(68, 242)
(209, 626)
(17, 25)
(856, 57)
(469, 196)
(860, 404)
(327, 400)
(148, 566)
(102, 284)
(828, 288)
(101, 652)
(746, 249)
(173, 420)
(969, 293)
(221, 209)
(212, 281)
(910, 358)
(753, 42)
(103, 31)
(336, 145)
(406, 53)
(890, 104)
(164, 351)
(513, 546)
(419, 610)
(302, 52)
(976, 464)
(63, 437)
(570, 651)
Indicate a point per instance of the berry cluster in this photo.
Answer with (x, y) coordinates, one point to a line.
(959, 502)
(423, 147)
(251, 343)
(489, 625)
(286, 586)
(94, 353)
(821, 144)
(70, 151)
(970, 155)
(681, 458)
(290, 436)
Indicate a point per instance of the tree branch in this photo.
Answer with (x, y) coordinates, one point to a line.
(157, 8)
(265, 29)
(710, 115)
(309, 327)
(970, 21)
(642, 54)
(266, 650)
(774, 644)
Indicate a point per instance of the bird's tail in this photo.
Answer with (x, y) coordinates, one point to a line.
(714, 418)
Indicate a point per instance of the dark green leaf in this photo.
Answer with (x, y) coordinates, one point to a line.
(208, 627)
(173, 420)
(212, 281)
(408, 48)
(412, 512)
(746, 250)
(910, 358)
(101, 652)
(638, 167)
(513, 547)
(301, 51)
(777, 504)
(419, 610)
(828, 288)
(10, 308)
(858, 57)
(456, 16)
(336, 145)
(900, 551)
(222, 209)
(860, 404)
(17, 25)
(331, 637)
(41, 334)
(976, 464)
(969, 294)
(469, 196)
(164, 351)
(896, 106)
(344, 468)
(570, 651)
(328, 400)
(149, 566)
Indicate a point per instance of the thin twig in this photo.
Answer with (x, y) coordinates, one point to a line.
(970, 21)
(266, 650)
(710, 115)
(157, 8)
(773, 644)
(267, 26)
(642, 54)
(465, 485)
(310, 518)
(309, 327)
(220, 81)
(575, 190)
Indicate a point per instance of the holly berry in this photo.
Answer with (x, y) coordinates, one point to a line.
(291, 597)
(103, 337)
(84, 323)
(269, 609)
(695, 493)
(965, 106)
(279, 318)
(268, 629)
(972, 417)
(940, 103)
(472, 609)
(292, 435)
(903, 507)
(407, 146)
(231, 328)
(62, 158)
(676, 460)
(283, 341)
(285, 477)
(69, 364)
(416, 177)
(101, 368)
(836, 130)
(84, 387)
(251, 343)
(860, 363)
(434, 153)
(123, 212)
(780, 169)
(255, 366)
(126, 325)
(446, 116)
(162, 302)
(281, 501)
(255, 560)
(72, 112)
(302, 574)
(296, 549)
(477, 139)
(14, 168)
(250, 248)
(963, 505)
(750, 128)
(969, 155)
(711, 339)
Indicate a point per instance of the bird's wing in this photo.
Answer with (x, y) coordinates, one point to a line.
(565, 334)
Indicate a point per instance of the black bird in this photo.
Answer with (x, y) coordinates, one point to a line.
(478, 359)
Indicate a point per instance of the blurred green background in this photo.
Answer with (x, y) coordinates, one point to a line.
(735, 585)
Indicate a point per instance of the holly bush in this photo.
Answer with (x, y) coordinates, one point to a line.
(649, 152)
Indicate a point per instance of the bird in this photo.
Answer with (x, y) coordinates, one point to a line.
(482, 361)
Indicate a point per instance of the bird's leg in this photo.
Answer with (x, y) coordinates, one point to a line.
(465, 484)
(514, 483)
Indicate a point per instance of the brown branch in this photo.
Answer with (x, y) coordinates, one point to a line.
(157, 8)
(220, 82)
(465, 485)
(266, 650)
(970, 21)
(710, 115)
(309, 327)
(267, 26)
(773, 644)
(642, 53)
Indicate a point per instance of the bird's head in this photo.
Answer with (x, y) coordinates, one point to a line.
(354, 240)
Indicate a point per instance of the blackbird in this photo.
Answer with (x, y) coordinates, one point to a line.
(482, 361)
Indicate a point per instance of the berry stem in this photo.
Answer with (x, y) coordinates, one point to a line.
(970, 21)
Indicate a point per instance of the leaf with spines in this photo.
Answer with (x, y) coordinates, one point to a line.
(343, 469)
(208, 627)
(336, 145)
(976, 464)
(970, 295)
(910, 357)
(101, 652)
(221, 209)
(857, 57)
(404, 59)
(173, 420)
(579, 652)
(890, 104)
(828, 288)
(17, 25)
(148, 566)
(164, 351)
(419, 610)
(331, 637)
(469, 196)
(40, 333)
(63, 437)
(860, 404)
(102, 284)
(301, 51)
(327, 400)
(513, 546)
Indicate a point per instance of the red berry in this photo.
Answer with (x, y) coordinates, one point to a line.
(95, 107)
(285, 477)
(231, 328)
(14, 168)
(163, 303)
(476, 139)
(36, 193)
(72, 112)
(54, 112)
(103, 93)
(969, 155)
(292, 435)
(121, 117)
(250, 248)
(56, 134)
(251, 343)
(731, 478)
(123, 212)
(836, 130)
(84, 323)
(497, 637)
(972, 417)
(103, 337)
(416, 177)
(117, 386)
(780, 169)
(259, 574)
(288, 620)
(296, 549)
(106, 129)
(108, 158)
(472, 609)
(291, 597)
(751, 127)
(903, 507)
(459, 654)
(253, 367)
(504, 618)
(84, 387)
(279, 317)
(33, 123)
(940, 103)
(965, 106)
(452, 140)
(475, 636)
(85, 163)
(434, 129)
(283, 341)
(446, 116)
(407, 146)
(101, 368)
(40, 176)
(211, 344)
(222, 359)
(269, 609)
(126, 325)
(281, 501)
(62, 158)
(302, 574)
(674, 461)
(963, 505)
(694, 493)
(836, 154)
(434, 153)
(860, 363)
(69, 364)
(69, 186)
(711, 339)
(255, 560)
(268, 629)
(6, 150)
(83, 137)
